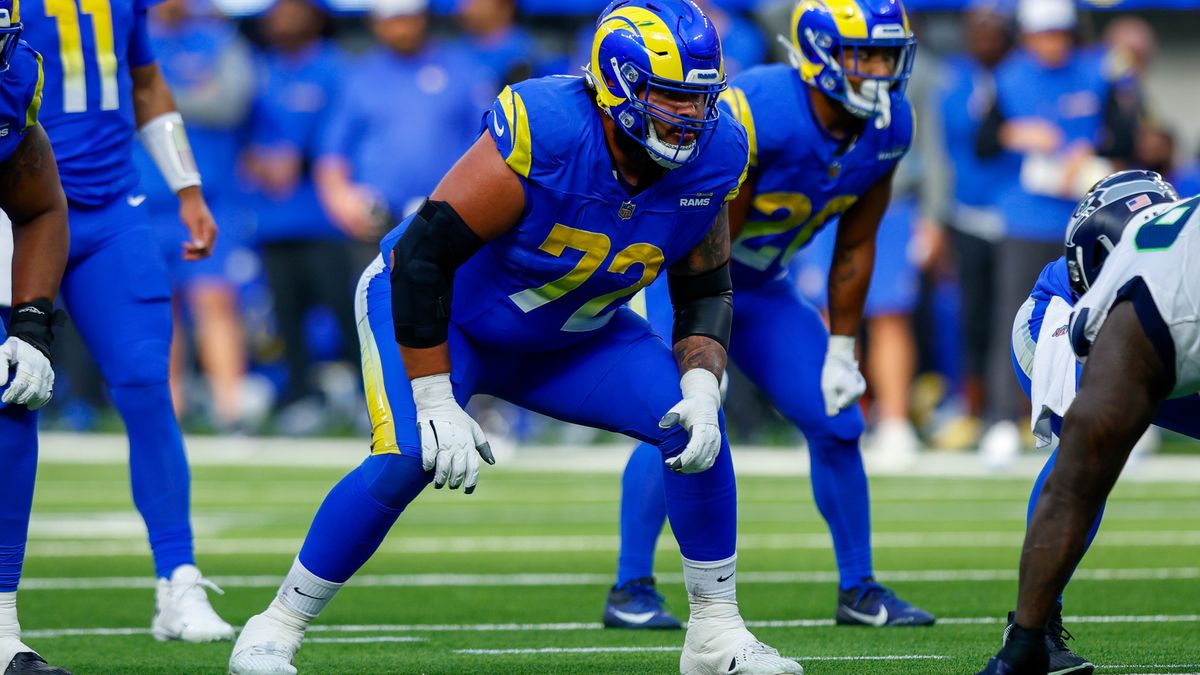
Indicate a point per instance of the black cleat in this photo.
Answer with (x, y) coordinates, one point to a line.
(1063, 661)
(29, 663)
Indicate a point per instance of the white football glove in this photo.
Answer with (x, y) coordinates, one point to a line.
(450, 439)
(841, 382)
(697, 413)
(33, 383)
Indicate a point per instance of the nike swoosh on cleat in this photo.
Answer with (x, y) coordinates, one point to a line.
(314, 597)
(879, 619)
(721, 580)
(633, 617)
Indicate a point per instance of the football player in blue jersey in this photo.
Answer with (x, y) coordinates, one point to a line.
(512, 279)
(32, 199)
(102, 89)
(825, 136)
(1049, 373)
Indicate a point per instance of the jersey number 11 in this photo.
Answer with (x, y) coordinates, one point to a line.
(70, 40)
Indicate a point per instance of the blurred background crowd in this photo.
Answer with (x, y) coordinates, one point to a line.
(317, 127)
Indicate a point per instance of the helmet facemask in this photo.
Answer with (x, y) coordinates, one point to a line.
(10, 32)
(684, 134)
(657, 72)
(840, 66)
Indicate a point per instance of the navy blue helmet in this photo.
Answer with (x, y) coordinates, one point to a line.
(1101, 217)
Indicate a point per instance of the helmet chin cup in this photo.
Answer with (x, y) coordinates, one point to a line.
(664, 154)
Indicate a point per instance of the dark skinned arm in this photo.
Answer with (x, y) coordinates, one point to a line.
(1123, 383)
(854, 258)
(488, 196)
(32, 197)
(698, 351)
(739, 208)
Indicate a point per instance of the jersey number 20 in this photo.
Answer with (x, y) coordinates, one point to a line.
(70, 41)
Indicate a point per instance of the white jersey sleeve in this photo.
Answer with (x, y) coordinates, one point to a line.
(1156, 266)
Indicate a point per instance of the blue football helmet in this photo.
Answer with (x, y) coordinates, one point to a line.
(1102, 216)
(831, 38)
(664, 47)
(10, 30)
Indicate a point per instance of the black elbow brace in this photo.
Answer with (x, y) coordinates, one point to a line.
(703, 304)
(436, 242)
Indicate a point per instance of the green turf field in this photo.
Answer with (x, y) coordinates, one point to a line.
(512, 579)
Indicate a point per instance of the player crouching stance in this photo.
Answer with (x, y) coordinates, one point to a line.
(1133, 326)
(511, 280)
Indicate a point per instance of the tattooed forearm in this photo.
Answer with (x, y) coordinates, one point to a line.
(711, 252)
(697, 351)
(29, 161)
(849, 279)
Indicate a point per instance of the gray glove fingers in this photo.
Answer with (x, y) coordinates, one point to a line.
(669, 420)
(485, 451)
(472, 477)
(675, 463)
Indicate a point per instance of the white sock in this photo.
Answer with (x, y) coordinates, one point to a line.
(10, 629)
(711, 579)
(304, 593)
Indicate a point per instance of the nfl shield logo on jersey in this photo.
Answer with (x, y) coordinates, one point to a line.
(626, 210)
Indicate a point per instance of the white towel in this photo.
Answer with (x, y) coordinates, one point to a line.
(1053, 380)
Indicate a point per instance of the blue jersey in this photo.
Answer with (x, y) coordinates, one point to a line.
(967, 95)
(295, 93)
(803, 177)
(401, 121)
(1052, 287)
(88, 48)
(585, 244)
(20, 98)
(1072, 98)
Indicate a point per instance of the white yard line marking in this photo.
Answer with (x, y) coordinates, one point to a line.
(1127, 666)
(588, 626)
(562, 544)
(366, 640)
(603, 650)
(518, 580)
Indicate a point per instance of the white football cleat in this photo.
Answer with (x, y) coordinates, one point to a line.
(265, 646)
(182, 611)
(718, 643)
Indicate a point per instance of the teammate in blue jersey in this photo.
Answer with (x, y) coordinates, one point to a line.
(825, 137)
(1045, 363)
(102, 87)
(512, 279)
(32, 199)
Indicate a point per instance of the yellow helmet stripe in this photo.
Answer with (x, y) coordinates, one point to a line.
(521, 157)
(738, 104)
(665, 61)
(849, 18)
(35, 103)
(16, 13)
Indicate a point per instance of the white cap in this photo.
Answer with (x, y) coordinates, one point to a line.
(387, 9)
(1040, 16)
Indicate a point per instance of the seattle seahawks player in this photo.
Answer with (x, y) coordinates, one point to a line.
(825, 137)
(512, 279)
(102, 86)
(1133, 325)
(33, 201)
